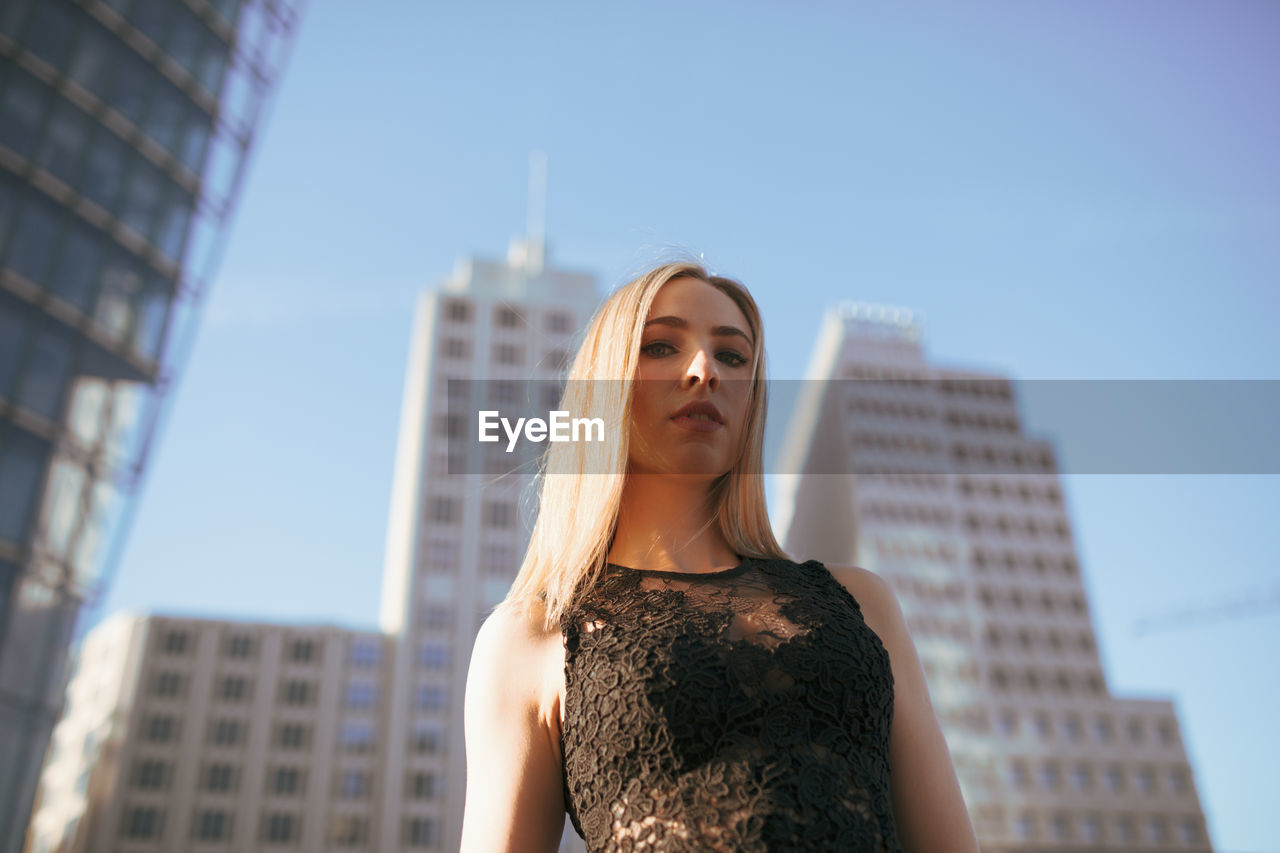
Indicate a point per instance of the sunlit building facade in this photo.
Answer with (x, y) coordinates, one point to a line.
(186, 734)
(923, 474)
(124, 131)
(456, 539)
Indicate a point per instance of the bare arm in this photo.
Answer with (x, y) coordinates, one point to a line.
(927, 803)
(514, 797)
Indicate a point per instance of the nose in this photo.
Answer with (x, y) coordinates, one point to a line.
(702, 368)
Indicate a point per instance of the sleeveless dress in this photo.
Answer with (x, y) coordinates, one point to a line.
(740, 710)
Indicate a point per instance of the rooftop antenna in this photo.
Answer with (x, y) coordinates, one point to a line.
(536, 224)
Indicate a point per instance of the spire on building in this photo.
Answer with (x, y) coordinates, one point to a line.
(530, 252)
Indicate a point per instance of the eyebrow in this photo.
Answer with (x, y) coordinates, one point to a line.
(682, 323)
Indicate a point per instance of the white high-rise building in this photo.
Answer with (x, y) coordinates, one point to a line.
(456, 539)
(923, 474)
(204, 735)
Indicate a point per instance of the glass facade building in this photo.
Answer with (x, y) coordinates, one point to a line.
(125, 127)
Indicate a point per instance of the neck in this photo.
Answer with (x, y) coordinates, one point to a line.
(667, 523)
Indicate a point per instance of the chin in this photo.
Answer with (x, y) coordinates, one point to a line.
(703, 468)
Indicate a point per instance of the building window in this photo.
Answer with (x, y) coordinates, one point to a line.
(430, 698)
(1156, 830)
(285, 780)
(433, 656)
(365, 652)
(1113, 778)
(422, 786)
(212, 825)
(151, 775)
(1060, 827)
(1103, 729)
(499, 514)
(444, 510)
(1072, 727)
(1081, 777)
(1023, 827)
(1043, 725)
(354, 785)
(436, 617)
(455, 348)
(503, 392)
(1144, 780)
(442, 554)
(292, 736)
(175, 642)
(357, 736)
(1167, 732)
(1007, 723)
(226, 732)
(556, 360)
(496, 560)
(425, 739)
(449, 426)
(457, 311)
(143, 822)
(302, 651)
(508, 354)
(233, 689)
(1049, 776)
(298, 693)
(1091, 829)
(1124, 829)
(553, 394)
(1177, 780)
(420, 832)
(278, 827)
(167, 684)
(239, 646)
(160, 728)
(1189, 830)
(361, 696)
(349, 831)
(1136, 730)
(1018, 777)
(559, 323)
(219, 778)
(508, 317)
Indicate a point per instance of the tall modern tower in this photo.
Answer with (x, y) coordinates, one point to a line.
(124, 132)
(923, 474)
(456, 539)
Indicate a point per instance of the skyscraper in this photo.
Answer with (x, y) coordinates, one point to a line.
(124, 131)
(923, 474)
(455, 539)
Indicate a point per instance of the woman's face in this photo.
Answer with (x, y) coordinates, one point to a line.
(696, 349)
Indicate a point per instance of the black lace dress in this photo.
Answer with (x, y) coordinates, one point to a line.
(742, 710)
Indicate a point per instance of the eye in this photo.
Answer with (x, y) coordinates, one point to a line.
(733, 359)
(648, 349)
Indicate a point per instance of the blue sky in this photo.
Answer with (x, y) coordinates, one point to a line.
(1065, 190)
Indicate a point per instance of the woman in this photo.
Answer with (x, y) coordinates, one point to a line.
(660, 669)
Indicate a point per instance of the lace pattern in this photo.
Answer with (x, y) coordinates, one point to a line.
(743, 710)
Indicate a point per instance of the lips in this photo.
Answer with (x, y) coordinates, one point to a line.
(699, 411)
(699, 416)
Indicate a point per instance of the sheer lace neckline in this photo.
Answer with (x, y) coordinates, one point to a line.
(732, 571)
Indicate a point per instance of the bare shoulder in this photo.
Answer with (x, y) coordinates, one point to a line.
(875, 597)
(516, 656)
(511, 720)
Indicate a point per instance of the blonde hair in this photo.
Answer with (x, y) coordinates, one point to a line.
(581, 488)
